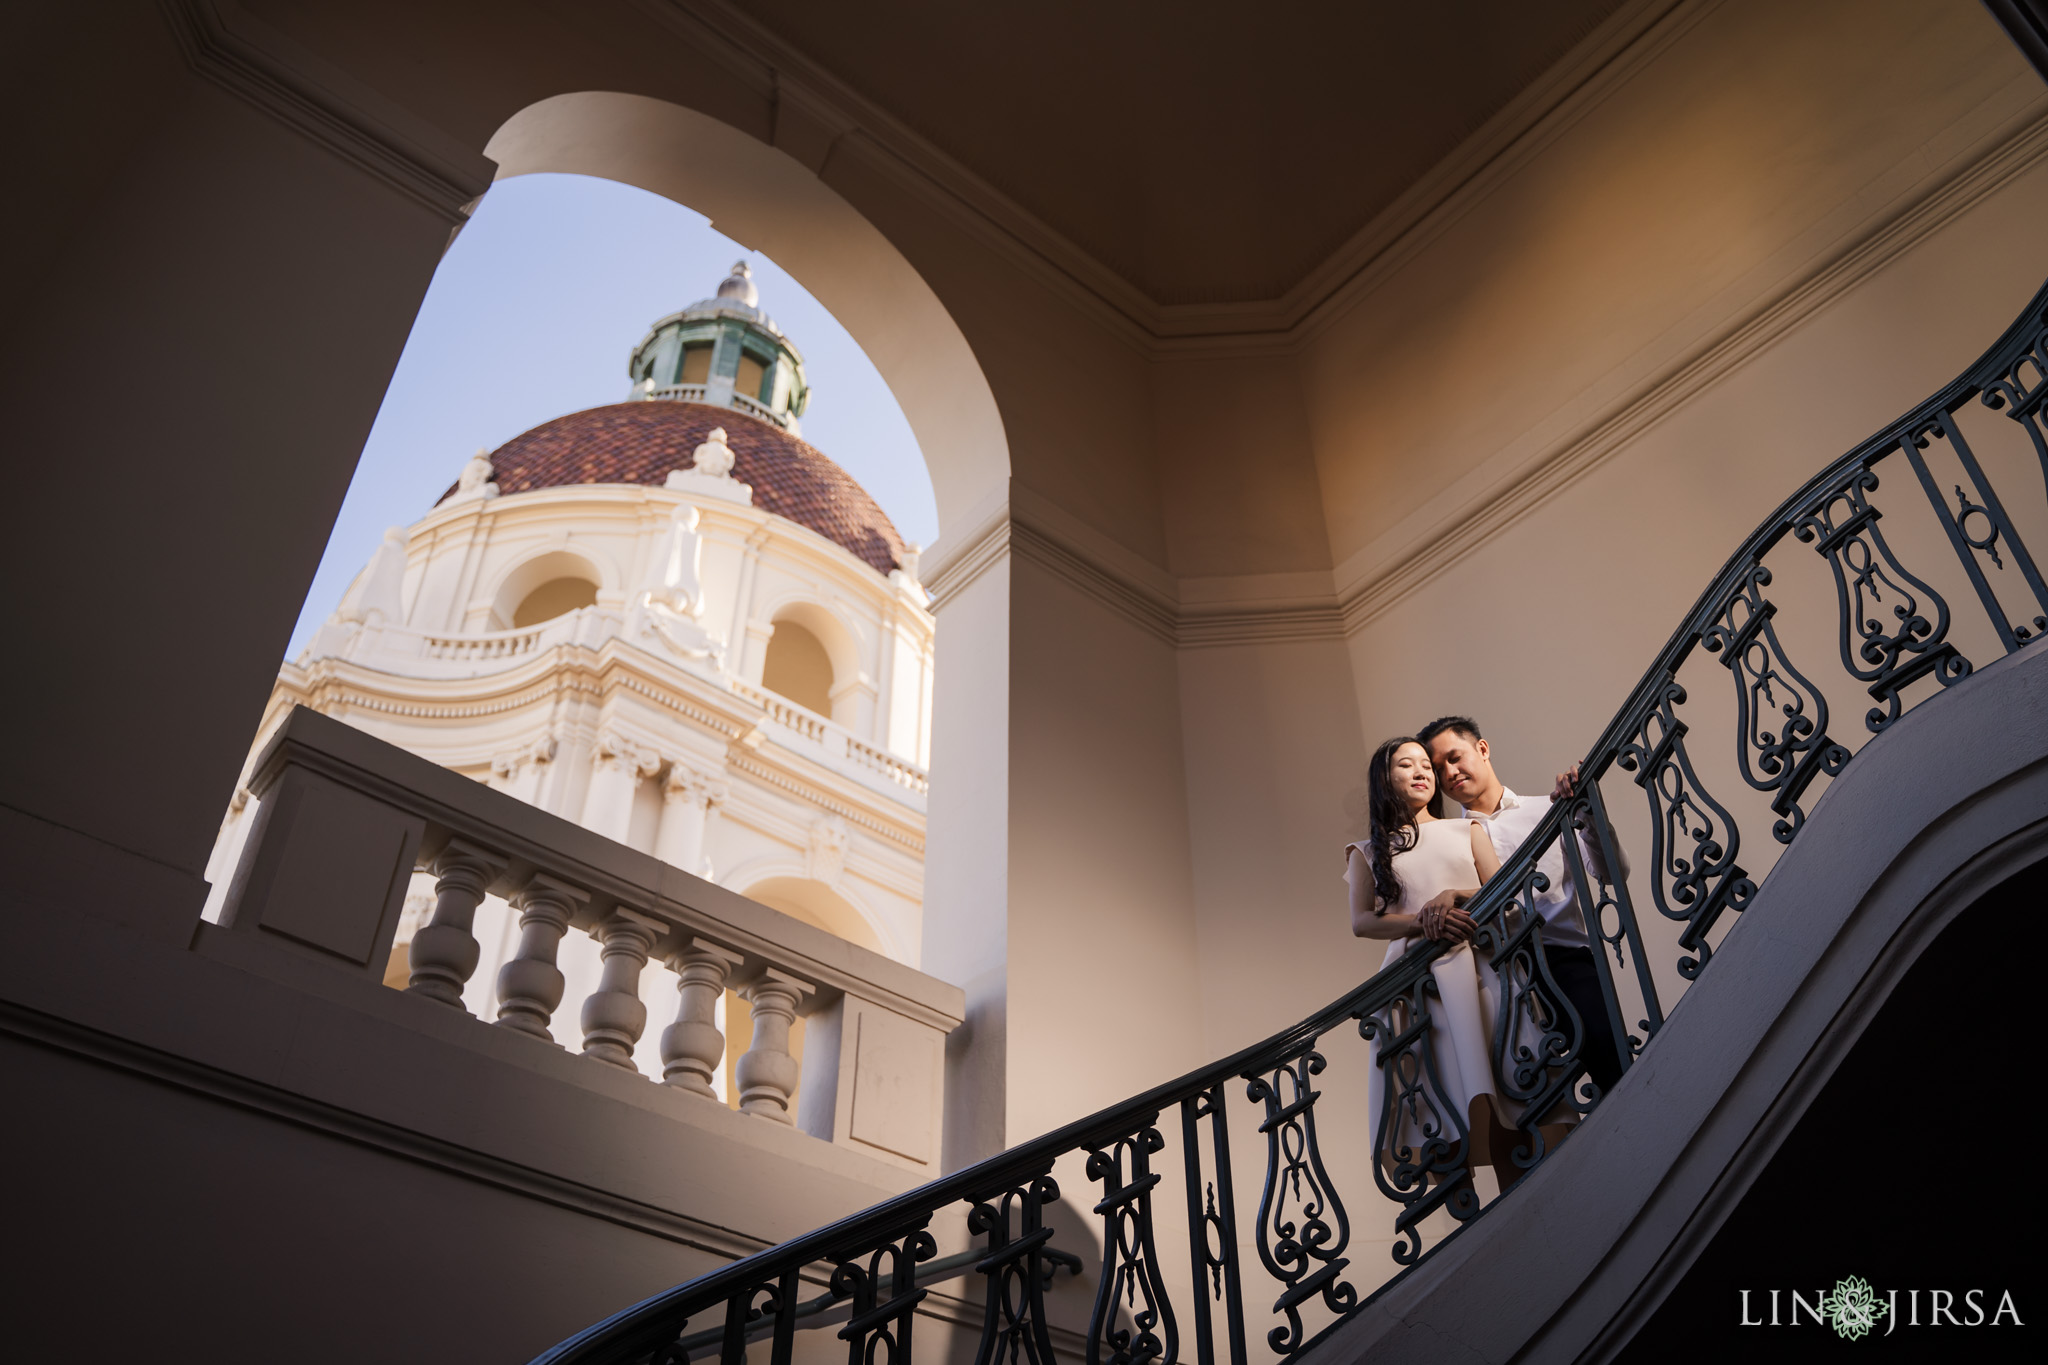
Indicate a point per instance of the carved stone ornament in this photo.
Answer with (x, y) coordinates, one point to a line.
(672, 602)
(615, 752)
(507, 765)
(829, 839)
(474, 483)
(714, 456)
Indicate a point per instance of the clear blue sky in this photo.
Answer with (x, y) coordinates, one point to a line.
(532, 315)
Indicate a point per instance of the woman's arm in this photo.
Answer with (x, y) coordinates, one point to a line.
(1366, 919)
(1483, 856)
(1444, 916)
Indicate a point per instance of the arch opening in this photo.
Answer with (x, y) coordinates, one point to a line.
(556, 597)
(817, 905)
(796, 666)
(544, 587)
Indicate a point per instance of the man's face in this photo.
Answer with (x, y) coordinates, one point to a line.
(1463, 768)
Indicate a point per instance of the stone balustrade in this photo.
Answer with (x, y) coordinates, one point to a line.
(345, 820)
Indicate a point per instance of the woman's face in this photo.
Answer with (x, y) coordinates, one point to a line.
(1414, 779)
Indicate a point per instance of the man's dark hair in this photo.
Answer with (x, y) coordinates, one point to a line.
(1464, 725)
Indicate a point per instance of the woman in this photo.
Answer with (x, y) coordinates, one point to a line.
(1414, 854)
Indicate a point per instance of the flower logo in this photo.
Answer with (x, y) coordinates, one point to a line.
(1852, 1308)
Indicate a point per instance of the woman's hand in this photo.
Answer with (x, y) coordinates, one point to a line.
(1444, 917)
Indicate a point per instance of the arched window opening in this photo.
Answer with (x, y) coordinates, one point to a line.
(818, 905)
(797, 667)
(556, 597)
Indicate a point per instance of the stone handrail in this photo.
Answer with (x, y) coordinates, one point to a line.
(346, 819)
(496, 644)
(836, 742)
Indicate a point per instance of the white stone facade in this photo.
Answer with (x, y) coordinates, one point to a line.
(640, 710)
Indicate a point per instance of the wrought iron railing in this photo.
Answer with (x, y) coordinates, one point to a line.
(1898, 639)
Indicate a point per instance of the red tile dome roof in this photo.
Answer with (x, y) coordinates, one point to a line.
(640, 442)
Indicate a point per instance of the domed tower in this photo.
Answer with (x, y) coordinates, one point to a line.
(724, 352)
(672, 621)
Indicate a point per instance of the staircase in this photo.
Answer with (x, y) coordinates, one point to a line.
(1220, 1223)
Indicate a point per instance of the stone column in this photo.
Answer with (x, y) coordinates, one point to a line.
(530, 985)
(613, 1017)
(687, 799)
(767, 1074)
(616, 769)
(444, 953)
(692, 1046)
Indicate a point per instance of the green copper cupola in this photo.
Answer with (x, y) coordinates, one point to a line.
(725, 352)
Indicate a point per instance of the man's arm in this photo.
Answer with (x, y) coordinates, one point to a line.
(1589, 848)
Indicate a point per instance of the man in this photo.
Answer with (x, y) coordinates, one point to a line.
(1464, 773)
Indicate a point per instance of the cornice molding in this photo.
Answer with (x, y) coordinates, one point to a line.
(224, 44)
(1232, 612)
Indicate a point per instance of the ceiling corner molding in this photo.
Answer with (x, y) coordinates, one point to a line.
(1266, 623)
(1143, 606)
(233, 50)
(1600, 63)
(1366, 592)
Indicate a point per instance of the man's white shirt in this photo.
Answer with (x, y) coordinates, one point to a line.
(1508, 827)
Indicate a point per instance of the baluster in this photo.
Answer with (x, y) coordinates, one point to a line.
(1841, 525)
(1214, 1223)
(1783, 762)
(745, 1309)
(1538, 1036)
(613, 1016)
(1575, 862)
(767, 1074)
(2009, 391)
(1614, 894)
(530, 985)
(1998, 526)
(1693, 884)
(1297, 1186)
(1130, 1264)
(1421, 1152)
(1013, 1314)
(692, 1046)
(878, 1333)
(444, 954)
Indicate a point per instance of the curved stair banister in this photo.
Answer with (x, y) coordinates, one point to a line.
(1893, 630)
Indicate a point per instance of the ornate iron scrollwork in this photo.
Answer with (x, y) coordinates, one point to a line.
(1781, 738)
(1130, 1264)
(1301, 1219)
(1212, 1226)
(2011, 393)
(1421, 1147)
(878, 1333)
(1693, 839)
(1842, 526)
(1919, 436)
(1610, 901)
(673, 1351)
(1538, 1036)
(1013, 1318)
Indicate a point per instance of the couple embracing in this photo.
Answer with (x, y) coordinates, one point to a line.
(1425, 857)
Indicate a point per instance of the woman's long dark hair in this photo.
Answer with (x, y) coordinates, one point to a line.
(1393, 823)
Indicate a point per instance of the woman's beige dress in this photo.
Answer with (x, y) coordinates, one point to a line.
(1462, 1015)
